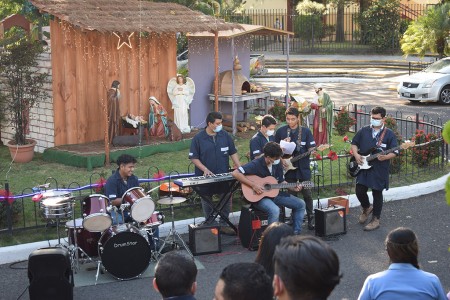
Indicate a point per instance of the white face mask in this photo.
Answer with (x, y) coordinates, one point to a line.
(270, 132)
(276, 162)
(375, 123)
(218, 128)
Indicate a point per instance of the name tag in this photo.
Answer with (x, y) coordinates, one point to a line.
(302, 143)
(241, 170)
(383, 145)
(190, 153)
(224, 149)
(256, 151)
(312, 143)
(112, 196)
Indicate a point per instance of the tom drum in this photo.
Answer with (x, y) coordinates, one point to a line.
(142, 206)
(95, 216)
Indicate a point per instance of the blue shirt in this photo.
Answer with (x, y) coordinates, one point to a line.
(303, 171)
(377, 177)
(115, 187)
(259, 168)
(257, 144)
(402, 281)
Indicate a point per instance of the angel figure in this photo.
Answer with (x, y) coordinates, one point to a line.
(181, 93)
(303, 106)
(157, 119)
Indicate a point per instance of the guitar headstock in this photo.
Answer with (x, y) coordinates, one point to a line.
(407, 144)
(323, 147)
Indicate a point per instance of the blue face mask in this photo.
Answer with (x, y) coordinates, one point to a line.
(218, 128)
(375, 123)
(276, 162)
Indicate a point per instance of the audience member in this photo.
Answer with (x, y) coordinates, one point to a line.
(403, 279)
(244, 281)
(269, 240)
(305, 267)
(175, 276)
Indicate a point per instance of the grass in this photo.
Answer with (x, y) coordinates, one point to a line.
(22, 177)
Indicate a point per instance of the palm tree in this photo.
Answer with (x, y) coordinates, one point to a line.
(429, 33)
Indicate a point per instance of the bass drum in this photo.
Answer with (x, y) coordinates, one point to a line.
(124, 251)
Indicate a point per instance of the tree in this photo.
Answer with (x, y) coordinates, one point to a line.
(428, 33)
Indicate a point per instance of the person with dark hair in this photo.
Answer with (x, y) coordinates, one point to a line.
(210, 151)
(113, 96)
(175, 276)
(270, 238)
(374, 136)
(244, 281)
(403, 279)
(305, 268)
(269, 165)
(303, 138)
(264, 135)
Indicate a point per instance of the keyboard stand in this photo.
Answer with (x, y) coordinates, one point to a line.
(217, 209)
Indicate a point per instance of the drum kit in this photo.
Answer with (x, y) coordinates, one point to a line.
(123, 250)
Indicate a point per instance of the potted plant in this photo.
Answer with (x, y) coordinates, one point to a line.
(21, 89)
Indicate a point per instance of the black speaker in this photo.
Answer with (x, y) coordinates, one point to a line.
(330, 221)
(50, 274)
(252, 223)
(204, 239)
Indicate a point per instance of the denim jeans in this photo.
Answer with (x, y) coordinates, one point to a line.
(270, 206)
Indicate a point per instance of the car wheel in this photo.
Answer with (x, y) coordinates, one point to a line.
(444, 95)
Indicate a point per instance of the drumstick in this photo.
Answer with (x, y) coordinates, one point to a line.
(155, 188)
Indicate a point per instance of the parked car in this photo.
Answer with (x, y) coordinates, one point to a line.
(257, 64)
(182, 59)
(429, 85)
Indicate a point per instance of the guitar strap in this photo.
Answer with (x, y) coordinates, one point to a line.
(380, 140)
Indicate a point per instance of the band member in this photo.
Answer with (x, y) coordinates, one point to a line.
(113, 97)
(379, 137)
(269, 165)
(302, 136)
(210, 151)
(264, 135)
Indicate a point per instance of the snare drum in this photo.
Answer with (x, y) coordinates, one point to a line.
(156, 219)
(142, 206)
(95, 214)
(57, 207)
(124, 251)
(88, 241)
(56, 193)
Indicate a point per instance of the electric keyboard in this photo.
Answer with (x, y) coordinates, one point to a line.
(198, 180)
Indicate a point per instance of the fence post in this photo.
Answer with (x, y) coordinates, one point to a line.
(417, 121)
(356, 116)
(8, 209)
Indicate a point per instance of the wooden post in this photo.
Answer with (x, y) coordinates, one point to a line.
(216, 70)
(105, 112)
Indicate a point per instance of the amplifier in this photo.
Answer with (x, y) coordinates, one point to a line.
(330, 221)
(252, 224)
(204, 239)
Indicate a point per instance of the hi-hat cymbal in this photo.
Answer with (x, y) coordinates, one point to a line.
(171, 200)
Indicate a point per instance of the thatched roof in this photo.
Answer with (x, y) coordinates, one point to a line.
(131, 16)
(245, 29)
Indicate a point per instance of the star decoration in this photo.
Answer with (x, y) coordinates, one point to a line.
(120, 44)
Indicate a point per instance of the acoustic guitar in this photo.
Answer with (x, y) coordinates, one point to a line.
(288, 162)
(271, 187)
(354, 168)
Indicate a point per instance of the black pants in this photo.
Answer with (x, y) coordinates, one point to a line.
(361, 194)
(307, 197)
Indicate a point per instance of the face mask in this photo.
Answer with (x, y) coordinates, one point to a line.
(270, 132)
(276, 162)
(218, 128)
(375, 123)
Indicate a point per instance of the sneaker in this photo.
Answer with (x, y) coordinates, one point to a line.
(365, 214)
(374, 224)
(227, 230)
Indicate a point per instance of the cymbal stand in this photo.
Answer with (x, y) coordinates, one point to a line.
(173, 233)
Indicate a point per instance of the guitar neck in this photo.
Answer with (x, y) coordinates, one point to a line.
(283, 185)
(374, 156)
(298, 157)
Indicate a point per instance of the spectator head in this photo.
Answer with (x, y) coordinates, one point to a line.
(175, 275)
(272, 150)
(244, 281)
(402, 246)
(305, 267)
(269, 240)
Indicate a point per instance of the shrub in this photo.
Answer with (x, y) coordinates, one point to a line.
(343, 121)
(423, 155)
(278, 110)
(396, 162)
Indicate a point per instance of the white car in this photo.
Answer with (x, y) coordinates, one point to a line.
(429, 85)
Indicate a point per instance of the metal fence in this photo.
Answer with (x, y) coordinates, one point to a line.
(20, 212)
(335, 31)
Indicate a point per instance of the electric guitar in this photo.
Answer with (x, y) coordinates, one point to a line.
(271, 187)
(288, 162)
(354, 168)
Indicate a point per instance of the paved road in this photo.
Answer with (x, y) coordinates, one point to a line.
(361, 253)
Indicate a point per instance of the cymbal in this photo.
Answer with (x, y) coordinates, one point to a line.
(171, 200)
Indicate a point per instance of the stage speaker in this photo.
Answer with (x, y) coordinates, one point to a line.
(252, 223)
(204, 239)
(330, 221)
(50, 274)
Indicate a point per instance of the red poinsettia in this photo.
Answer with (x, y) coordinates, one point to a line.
(100, 184)
(160, 174)
(346, 139)
(332, 155)
(8, 196)
(318, 157)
